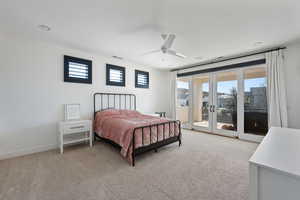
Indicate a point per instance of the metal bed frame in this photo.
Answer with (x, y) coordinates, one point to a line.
(121, 101)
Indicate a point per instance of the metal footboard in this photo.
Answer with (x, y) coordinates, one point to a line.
(167, 139)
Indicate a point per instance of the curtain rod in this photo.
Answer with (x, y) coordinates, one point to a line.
(226, 59)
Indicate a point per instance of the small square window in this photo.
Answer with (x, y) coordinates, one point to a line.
(141, 79)
(77, 70)
(115, 75)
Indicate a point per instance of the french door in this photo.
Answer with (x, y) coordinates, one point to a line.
(253, 104)
(202, 87)
(231, 103)
(183, 101)
(215, 103)
(225, 103)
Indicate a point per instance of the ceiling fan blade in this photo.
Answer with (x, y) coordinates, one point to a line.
(174, 53)
(169, 41)
(164, 36)
(150, 52)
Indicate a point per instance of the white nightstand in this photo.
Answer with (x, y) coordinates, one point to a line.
(74, 132)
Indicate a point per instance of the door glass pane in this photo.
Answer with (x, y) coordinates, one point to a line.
(255, 101)
(182, 103)
(226, 107)
(201, 101)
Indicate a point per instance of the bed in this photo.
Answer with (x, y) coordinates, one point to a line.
(116, 121)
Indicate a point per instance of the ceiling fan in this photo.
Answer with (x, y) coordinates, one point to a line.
(166, 47)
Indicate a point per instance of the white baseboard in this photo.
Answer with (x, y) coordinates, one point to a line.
(23, 152)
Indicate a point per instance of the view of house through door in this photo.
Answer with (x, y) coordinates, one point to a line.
(231, 102)
(183, 101)
(255, 104)
(201, 103)
(225, 103)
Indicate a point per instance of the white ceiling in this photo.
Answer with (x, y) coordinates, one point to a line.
(129, 28)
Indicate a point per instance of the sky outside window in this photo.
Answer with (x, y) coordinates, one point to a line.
(226, 86)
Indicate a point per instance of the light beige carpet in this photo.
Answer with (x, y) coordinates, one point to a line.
(205, 167)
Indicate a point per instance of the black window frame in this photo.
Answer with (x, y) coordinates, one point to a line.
(67, 78)
(137, 85)
(113, 83)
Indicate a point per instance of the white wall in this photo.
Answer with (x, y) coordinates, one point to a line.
(292, 75)
(33, 92)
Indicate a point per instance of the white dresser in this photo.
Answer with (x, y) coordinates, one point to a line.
(275, 166)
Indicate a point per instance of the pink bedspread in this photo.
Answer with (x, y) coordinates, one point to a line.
(118, 126)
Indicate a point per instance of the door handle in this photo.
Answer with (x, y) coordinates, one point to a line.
(212, 108)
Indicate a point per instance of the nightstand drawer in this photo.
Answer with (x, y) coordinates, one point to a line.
(75, 128)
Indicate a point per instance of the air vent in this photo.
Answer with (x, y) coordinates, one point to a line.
(43, 27)
(117, 57)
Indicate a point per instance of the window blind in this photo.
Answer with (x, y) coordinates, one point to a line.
(141, 79)
(115, 75)
(77, 70)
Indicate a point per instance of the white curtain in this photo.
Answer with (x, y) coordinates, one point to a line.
(173, 94)
(276, 89)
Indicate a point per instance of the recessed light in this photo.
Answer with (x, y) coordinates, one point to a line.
(218, 58)
(117, 57)
(199, 58)
(43, 27)
(258, 43)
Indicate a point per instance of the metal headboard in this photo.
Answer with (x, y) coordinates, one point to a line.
(114, 100)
